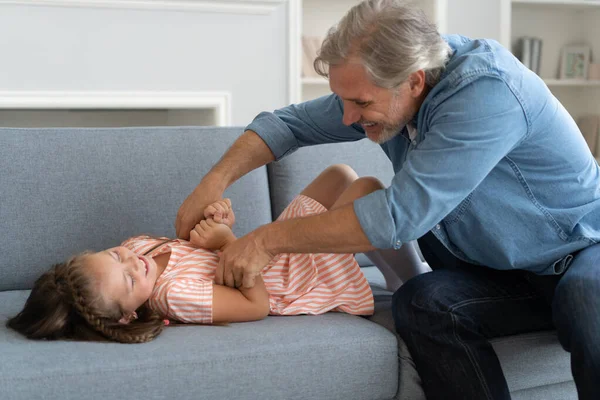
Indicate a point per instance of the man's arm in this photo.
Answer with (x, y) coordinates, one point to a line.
(335, 231)
(247, 153)
(269, 137)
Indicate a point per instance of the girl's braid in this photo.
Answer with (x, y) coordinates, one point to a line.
(133, 332)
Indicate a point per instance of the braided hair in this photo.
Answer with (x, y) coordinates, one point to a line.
(65, 304)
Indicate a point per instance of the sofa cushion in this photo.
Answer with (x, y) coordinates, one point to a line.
(331, 356)
(536, 360)
(68, 190)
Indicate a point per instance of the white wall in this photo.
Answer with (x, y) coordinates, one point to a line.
(71, 48)
(474, 18)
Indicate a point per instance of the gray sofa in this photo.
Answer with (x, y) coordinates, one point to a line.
(66, 190)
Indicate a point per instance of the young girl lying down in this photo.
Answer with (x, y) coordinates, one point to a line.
(129, 293)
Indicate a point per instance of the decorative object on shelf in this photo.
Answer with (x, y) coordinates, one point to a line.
(310, 47)
(575, 62)
(530, 52)
(589, 125)
(594, 71)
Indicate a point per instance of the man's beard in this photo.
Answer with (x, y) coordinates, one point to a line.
(389, 131)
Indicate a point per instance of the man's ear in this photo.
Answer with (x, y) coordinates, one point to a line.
(125, 319)
(417, 83)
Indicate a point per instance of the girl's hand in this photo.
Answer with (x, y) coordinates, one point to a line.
(221, 212)
(211, 235)
(192, 209)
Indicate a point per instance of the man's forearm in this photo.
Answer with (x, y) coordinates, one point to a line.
(247, 153)
(335, 231)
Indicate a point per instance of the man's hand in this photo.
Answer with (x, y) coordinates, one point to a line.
(221, 212)
(242, 261)
(192, 210)
(211, 235)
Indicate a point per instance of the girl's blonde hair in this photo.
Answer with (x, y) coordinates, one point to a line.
(64, 304)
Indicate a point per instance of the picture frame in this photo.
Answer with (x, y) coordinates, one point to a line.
(575, 62)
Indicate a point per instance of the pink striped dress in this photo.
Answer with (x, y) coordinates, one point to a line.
(297, 283)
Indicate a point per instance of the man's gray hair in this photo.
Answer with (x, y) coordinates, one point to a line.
(391, 38)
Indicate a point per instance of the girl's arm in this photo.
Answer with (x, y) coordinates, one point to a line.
(240, 305)
(230, 304)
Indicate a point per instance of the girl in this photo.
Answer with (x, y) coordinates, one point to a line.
(128, 293)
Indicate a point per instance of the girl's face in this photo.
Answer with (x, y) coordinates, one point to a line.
(123, 277)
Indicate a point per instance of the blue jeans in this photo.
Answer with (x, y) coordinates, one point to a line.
(447, 316)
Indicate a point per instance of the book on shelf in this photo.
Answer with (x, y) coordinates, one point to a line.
(530, 52)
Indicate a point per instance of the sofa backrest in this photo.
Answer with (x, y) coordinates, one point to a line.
(290, 175)
(67, 190)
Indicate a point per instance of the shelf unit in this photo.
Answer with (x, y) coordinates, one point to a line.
(572, 83)
(582, 4)
(558, 24)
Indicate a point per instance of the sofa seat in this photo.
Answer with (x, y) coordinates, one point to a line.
(536, 361)
(331, 356)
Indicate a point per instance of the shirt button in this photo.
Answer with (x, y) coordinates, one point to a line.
(413, 142)
(398, 243)
(438, 227)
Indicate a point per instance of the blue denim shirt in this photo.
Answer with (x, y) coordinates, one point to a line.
(499, 171)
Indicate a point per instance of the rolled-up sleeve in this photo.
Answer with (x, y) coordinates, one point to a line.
(313, 122)
(469, 133)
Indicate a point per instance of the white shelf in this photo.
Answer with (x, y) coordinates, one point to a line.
(315, 81)
(572, 82)
(565, 3)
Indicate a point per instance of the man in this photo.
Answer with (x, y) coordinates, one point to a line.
(492, 177)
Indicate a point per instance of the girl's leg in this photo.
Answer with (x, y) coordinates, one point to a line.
(397, 266)
(330, 184)
(356, 189)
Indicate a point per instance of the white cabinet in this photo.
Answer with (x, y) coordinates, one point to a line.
(99, 62)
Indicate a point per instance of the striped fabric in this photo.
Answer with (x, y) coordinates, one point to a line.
(297, 283)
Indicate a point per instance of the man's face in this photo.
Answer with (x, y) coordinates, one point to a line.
(381, 112)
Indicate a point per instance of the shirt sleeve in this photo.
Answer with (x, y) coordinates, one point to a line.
(469, 133)
(313, 122)
(186, 300)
